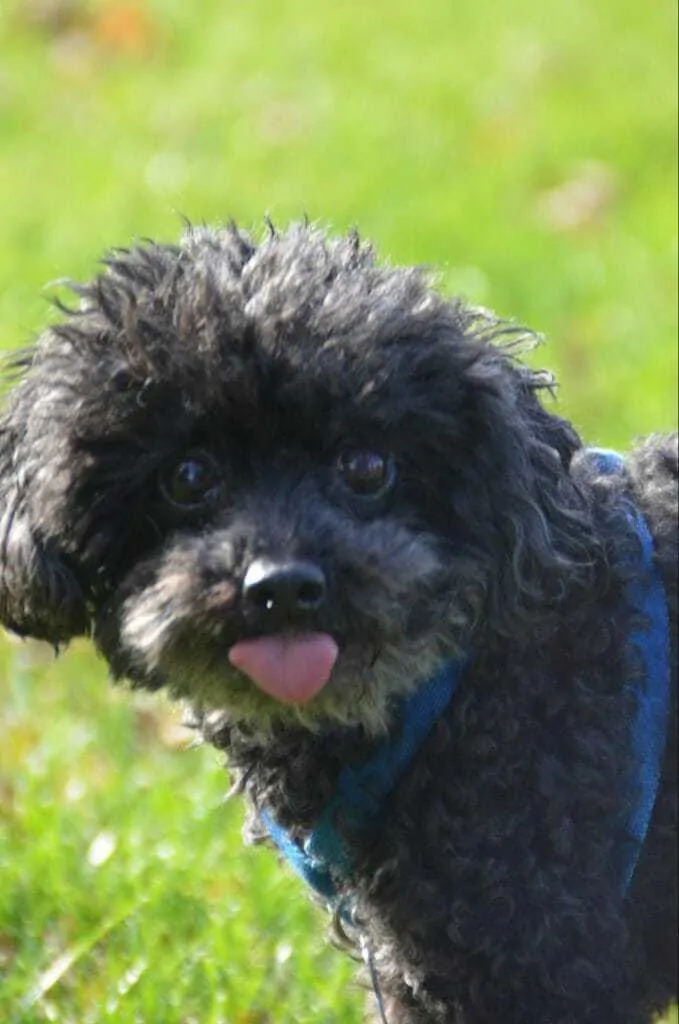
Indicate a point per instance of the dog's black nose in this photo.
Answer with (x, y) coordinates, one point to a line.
(283, 589)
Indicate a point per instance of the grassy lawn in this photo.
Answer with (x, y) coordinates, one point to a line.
(525, 149)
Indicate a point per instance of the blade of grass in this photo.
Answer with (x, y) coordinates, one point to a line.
(77, 952)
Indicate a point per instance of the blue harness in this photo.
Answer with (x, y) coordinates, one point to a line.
(361, 792)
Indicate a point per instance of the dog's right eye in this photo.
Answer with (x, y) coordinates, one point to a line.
(190, 483)
(367, 474)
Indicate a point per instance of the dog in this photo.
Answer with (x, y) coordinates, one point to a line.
(330, 510)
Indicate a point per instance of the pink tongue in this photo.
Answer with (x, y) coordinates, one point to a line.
(292, 669)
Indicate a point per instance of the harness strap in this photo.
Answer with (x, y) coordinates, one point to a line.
(649, 647)
(362, 790)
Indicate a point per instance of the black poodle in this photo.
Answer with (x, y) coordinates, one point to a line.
(434, 634)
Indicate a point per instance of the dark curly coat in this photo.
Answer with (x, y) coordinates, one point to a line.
(220, 402)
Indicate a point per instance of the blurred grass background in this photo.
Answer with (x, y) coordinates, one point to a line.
(528, 152)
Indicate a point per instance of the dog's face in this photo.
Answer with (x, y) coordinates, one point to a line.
(275, 479)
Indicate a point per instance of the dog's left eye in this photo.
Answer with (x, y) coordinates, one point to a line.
(368, 474)
(189, 483)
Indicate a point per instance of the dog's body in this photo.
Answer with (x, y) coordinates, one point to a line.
(288, 484)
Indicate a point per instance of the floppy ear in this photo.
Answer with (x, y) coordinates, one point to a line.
(39, 595)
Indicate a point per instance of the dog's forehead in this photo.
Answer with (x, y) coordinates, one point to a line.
(300, 324)
(298, 334)
(299, 297)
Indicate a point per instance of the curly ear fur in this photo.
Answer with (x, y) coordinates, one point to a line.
(39, 595)
(513, 506)
(539, 528)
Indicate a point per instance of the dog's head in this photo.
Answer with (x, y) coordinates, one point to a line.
(277, 478)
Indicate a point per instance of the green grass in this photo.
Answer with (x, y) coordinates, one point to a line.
(526, 150)
(125, 894)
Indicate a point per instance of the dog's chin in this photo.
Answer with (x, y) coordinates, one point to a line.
(363, 688)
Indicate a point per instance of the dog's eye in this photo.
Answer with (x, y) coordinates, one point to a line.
(368, 474)
(189, 483)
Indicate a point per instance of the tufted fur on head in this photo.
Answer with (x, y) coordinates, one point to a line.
(211, 408)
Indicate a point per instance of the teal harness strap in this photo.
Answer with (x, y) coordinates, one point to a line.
(323, 861)
(649, 646)
(361, 791)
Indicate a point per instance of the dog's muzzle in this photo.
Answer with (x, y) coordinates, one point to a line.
(288, 661)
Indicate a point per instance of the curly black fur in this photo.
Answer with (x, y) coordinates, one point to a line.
(488, 887)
